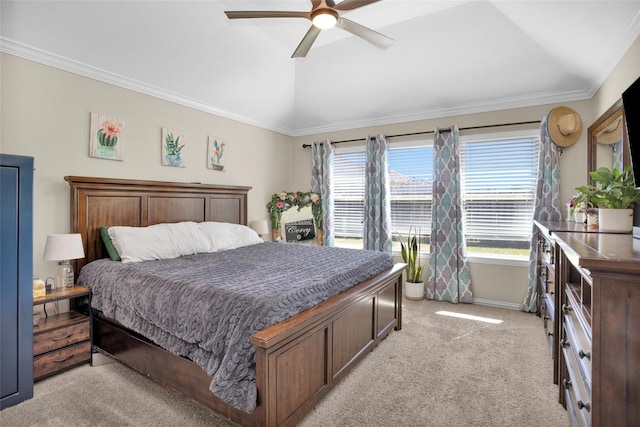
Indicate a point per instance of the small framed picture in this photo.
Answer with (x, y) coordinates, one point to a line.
(106, 139)
(215, 151)
(173, 142)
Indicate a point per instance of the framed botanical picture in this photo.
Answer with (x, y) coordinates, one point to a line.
(173, 142)
(215, 150)
(106, 138)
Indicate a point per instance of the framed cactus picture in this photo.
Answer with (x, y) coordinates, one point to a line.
(173, 143)
(215, 151)
(106, 139)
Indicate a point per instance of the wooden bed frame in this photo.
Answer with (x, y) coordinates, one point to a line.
(297, 360)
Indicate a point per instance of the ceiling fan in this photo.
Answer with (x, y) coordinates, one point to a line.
(324, 14)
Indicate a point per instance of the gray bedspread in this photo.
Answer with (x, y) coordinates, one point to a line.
(206, 306)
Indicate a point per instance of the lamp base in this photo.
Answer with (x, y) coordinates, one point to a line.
(64, 275)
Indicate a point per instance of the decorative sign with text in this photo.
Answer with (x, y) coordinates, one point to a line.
(299, 230)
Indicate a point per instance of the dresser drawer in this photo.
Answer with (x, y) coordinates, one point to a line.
(577, 391)
(577, 342)
(61, 337)
(55, 361)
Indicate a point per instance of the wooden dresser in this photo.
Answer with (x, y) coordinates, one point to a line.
(596, 306)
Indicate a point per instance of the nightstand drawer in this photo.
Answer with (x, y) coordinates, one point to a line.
(54, 361)
(61, 337)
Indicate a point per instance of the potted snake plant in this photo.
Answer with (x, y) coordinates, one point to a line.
(414, 285)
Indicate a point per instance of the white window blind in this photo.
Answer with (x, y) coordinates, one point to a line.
(348, 188)
(410, 175)
(498, 190)
(411, 182)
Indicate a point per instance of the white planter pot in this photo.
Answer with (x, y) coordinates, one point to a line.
(579, 217)
(616, 220)
(414, 291)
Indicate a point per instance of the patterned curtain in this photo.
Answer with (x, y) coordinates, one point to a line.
(448, 278)
(546, 206)
(377, 199)
(322, 155)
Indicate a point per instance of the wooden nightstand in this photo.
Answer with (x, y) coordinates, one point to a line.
(63, 340)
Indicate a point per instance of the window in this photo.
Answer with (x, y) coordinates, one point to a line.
(498, 185)
(410, 176)
(498, 191)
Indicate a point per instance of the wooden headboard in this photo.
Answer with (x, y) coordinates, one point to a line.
(100, 202)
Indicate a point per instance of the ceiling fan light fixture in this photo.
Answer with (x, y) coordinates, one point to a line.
(324, 18)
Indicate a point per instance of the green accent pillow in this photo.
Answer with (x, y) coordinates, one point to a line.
(113, 253)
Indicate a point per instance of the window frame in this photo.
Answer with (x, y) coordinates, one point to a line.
(478, 257)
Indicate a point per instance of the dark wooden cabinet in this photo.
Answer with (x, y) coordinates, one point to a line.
(63, 340)
(16, 284)
(598, 325)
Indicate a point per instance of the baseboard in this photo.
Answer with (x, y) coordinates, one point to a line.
(499, 304)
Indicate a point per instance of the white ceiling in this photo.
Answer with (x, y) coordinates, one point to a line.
(449, 57)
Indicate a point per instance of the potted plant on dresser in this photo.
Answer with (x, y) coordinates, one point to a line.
(414, 285)
(614, 193)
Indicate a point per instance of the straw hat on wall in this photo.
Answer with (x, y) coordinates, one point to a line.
(564, 126)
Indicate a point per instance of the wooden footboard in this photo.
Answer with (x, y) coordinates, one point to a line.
(298, 361)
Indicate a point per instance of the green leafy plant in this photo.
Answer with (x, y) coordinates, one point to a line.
(610, 189)
(411, 256)
(172, 145)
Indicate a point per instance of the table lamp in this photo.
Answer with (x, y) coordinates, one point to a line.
(260, 226)
(63, 248)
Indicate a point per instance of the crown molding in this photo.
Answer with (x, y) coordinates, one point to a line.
(30, 53)
(494, 105)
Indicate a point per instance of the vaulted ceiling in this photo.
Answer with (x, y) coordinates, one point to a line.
(448, 58)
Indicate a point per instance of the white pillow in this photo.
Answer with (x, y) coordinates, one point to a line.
(160, 241)
(224, 235)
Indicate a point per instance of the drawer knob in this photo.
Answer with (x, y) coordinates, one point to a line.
(566, 308)
(582, 354)
(546, 317)
(565, 343)
(582, 405)
(567, 383)
(549, 334)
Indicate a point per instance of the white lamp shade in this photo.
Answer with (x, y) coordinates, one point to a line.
(61, 247)
(261, 226)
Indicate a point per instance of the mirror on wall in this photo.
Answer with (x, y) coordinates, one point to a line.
(608, 144)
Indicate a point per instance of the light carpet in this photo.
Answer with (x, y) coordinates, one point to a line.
(437, 371)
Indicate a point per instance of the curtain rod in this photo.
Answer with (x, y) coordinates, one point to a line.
(427, 132)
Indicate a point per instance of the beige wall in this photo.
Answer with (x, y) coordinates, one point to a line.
(46, 113)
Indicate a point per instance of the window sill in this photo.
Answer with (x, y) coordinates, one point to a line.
(491, 259)
(510, 261)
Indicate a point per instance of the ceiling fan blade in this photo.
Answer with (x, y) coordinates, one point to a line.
(353, 4)
(315, 4)
(241, 14)
(373, 37)
(307, 41)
